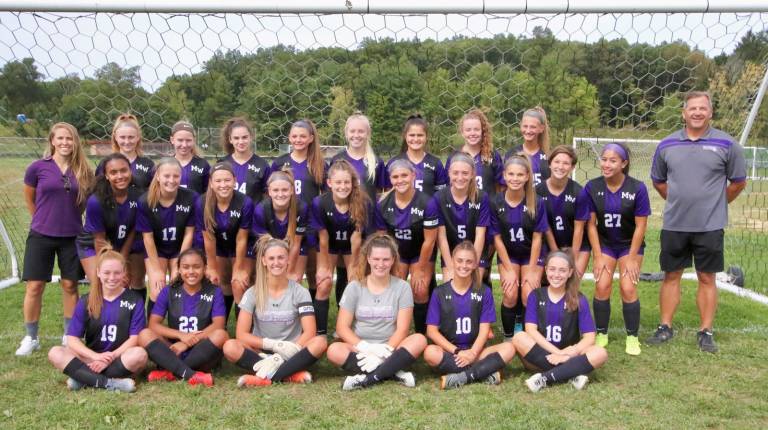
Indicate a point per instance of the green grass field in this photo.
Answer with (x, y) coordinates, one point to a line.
(673, 386)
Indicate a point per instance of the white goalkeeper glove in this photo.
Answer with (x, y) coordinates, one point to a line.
(368, 362)
(268, 365)
(285, 348)
(381, 350)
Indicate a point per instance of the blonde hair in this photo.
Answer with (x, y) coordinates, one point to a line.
(293, 205)
(96, 294)
(399, 163)
(539, 114)
(362, 269)
(521, 159)
(486, 144)
(358, 199)
(153, 193)
(130, 121)
(226, 132)
(78, 161)
(463, 157)
(211, 199)
(260, 285)
(370, 156)
(468, 246)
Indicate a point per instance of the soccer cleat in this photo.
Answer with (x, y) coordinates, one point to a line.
(663, 334)
(405, 378)
(252, 381)
(706, 341)
(579, 382)
(494, 378)
(74, 384)
(452, 380)
(353, 382)
(27, 347)
(633, 345)
(201, 378)
(300, 377)
(160, 375)
(601, 339)
(123, 385)
(536, 382)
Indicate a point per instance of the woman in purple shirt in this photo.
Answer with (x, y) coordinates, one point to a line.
(55, 191)
(534, 128)
(194, 168)
(251, 171)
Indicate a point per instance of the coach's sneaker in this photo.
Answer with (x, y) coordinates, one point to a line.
(405, 378)
(536, 382)
(633, 345)
(452, 380)
(300, 377)
(353, 382)
(161, 375)
(201, 378)
(706, 341)
(494, 378)
(601, 340)
(579, 382)
(252, 381)
(123, 385)
(74, 384)
(663, 334)
(28, 346)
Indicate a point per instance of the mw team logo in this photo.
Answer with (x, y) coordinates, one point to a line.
(182, 208)
(255, 169)
(474, 205)
(628, 196)
(570, 199)
(144, 169)
(133, 205)
(234, 214)
(429, 166)
(476, 297)
(206, 297)
(196, 169)
(417, 211)
(127, 304)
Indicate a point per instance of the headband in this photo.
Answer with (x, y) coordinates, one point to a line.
(617, 149)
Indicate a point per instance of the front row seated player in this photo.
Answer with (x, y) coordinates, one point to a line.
(110, 318)
(559, 337)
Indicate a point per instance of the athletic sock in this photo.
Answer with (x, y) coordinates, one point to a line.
(300, 361)
(203, 353)
(78, 371)
(150, 305)
(248, 359)
(602, 309)
(32, 328)
(519, 310)
(161, 354)
(142, 292)
(631, 317)
(350, 364)
(321, 315)
(66, 324)
(536, 351)
(448, 364)
(341, 283)
(228, 301)
(485, 367)
(399, 360)
(420, 317)
(576, 366)
(432, 285)
(312, 293)
(116, 370)
(508, 321)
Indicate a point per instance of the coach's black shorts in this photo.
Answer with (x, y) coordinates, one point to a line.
(40, 253)
(679, 249)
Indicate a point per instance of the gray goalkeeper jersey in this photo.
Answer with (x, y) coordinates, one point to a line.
(376, 314)
(281, 318)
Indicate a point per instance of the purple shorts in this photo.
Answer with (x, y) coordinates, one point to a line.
(523, 261)
(617, 253)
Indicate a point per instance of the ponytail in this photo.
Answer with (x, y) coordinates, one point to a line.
(96, 294)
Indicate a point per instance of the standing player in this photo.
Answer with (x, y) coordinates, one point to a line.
(567, 208)
(276, 315)
(126, 139)
(559, 336)
(55, 190)
(459, 320)
(110, 318)
(190, 345)
(407, 215)
(535, 131)
(251, 171)
(477, 133)
(340, 218)
(698, 170)
(518, 221)
(430, 173)
(619, 208)
(194, 169)
(374, 321)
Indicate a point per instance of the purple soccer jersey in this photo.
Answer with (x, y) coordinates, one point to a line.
(305, 186)
(142, 171)
(56, 211)
(563, 210)
(431, 176)
(380, 180)
(487, 175)
(125, 220)
(615, 212)
(109, 320)
(555, 317)
(195, 174)
(324, 215)
(239, 212)
(168, 236)
(265, 221)
(539, 164)
(455, 217)
(462, 305)
(406, 224)
(189, 307)
(508, 222)
(251, 177)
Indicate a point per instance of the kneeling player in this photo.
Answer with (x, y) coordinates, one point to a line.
(559, 336)
(458, 322)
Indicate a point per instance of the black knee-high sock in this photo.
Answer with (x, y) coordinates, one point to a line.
(300, 361)
(312, 293)
(341, 282)
(399, 360)
(448, 364)
(248, 359)
(482, 368)
(420, 317)
(205, 352)
(632, 317)
(576, 366)
(350, 364)
(602, 309)
(161, 354)
(321, 315)
(78, 371)
(432, 284)
(228, 301)
(519, 310)
(143, 292)
(508, 320)
(150, 305)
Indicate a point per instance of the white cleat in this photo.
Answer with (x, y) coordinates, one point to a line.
(27, 347)
(536, 382)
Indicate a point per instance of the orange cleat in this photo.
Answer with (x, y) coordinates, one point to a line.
(252, 381)
(161, 375)
(300, 377)
(200, 378)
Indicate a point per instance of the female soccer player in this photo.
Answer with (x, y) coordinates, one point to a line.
(459, 319)
(194, 169)
(567, 208)
(189, 346)
(110, 219)
(126, 139)
(406, 214)
(518, 220)
(619, 208)
(535, 131)
(223, 222)
(374, 320)
(430, 173)
(463, 212)
(276, 315)
(559, 336)
(251, 171)
(477, 133)
(359, 153)
(55, 190)
(282, 215)
(340, 218)
(110, 318)
(166, 220)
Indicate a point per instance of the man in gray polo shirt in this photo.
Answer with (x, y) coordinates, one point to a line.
(698, 170)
